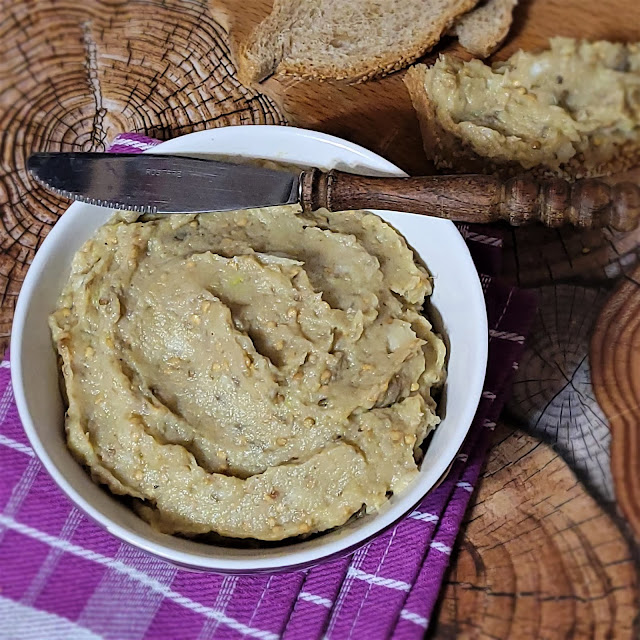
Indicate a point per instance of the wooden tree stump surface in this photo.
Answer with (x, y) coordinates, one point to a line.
(535, 563)
(615, 357)
(544, 554)
(552, 395)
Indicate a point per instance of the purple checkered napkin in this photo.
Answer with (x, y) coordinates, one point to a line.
(63, 578)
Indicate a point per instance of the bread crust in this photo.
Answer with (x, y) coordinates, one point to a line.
(478, 38)
(251, 70)
(442, 146)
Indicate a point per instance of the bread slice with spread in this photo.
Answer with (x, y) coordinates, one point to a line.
(571, 111)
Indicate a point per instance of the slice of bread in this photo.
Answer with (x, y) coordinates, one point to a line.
(354, 39)
(483, 30)
(571, 111)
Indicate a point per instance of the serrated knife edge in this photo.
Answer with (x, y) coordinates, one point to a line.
(121, 206)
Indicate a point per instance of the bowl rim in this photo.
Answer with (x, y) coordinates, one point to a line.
(288, 559)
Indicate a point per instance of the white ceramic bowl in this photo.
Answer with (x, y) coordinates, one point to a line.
(457, 298)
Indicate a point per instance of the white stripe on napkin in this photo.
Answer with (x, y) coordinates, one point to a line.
(31, 624)
(415, 618)
(18, 446)
(136, 144)
(390, 583)
(311, 597)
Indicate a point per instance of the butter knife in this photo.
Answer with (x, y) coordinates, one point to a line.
(154, 183)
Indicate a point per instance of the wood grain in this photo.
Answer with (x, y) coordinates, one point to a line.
(552, 394)
(76, 74)
(523, 199)
(615, 359)
(534, 563)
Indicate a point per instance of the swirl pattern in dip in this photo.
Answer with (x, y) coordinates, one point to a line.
(256, 374)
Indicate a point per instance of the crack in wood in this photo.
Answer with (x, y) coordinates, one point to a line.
(540, 596)
(98, 136)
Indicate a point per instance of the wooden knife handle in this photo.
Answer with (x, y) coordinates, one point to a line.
(479, 198)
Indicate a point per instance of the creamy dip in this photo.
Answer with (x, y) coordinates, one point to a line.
(576, 101)
(255, 374)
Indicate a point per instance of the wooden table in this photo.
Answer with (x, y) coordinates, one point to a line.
(550, 544)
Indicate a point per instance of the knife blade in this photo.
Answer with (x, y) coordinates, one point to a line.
(154, 183)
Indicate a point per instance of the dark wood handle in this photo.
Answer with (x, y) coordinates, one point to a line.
(479, 198)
